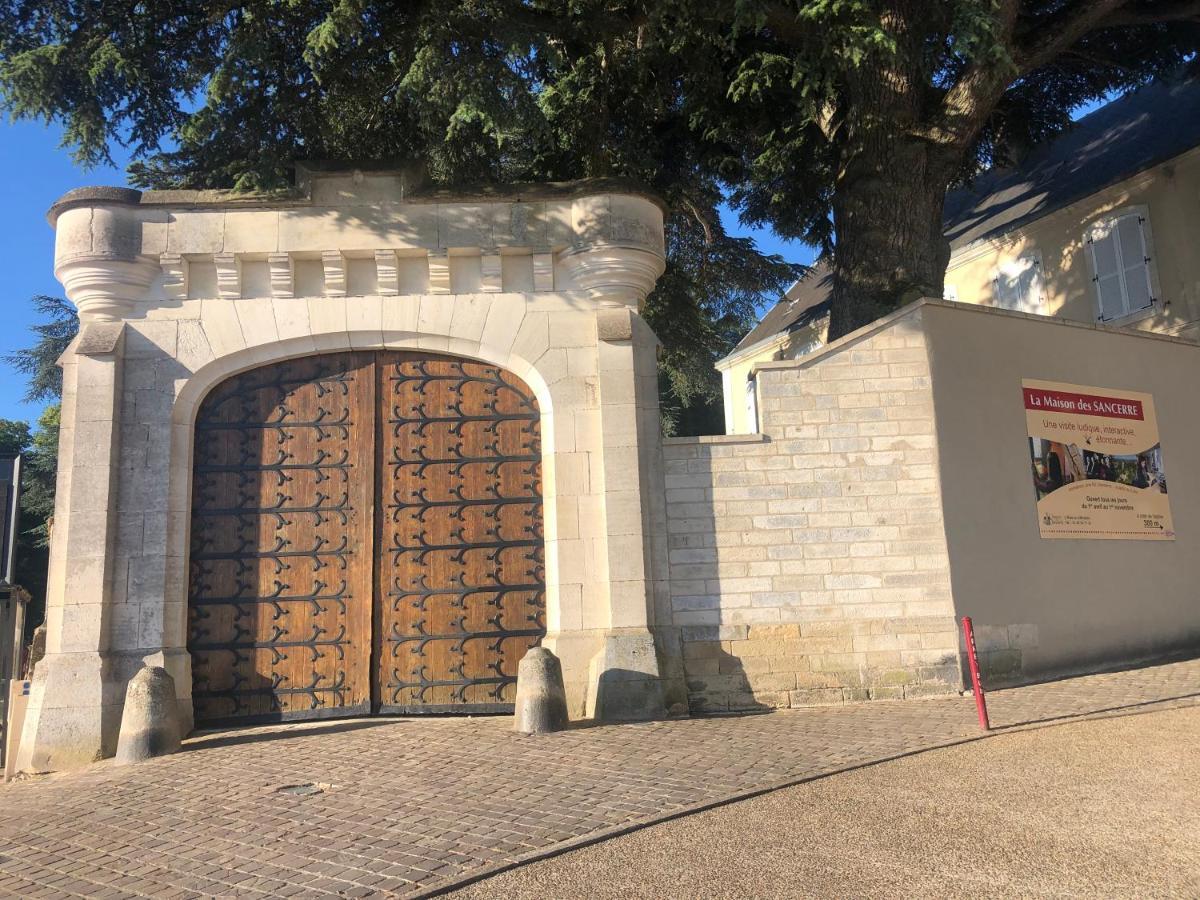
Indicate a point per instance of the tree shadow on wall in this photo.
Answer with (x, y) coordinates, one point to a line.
(626, 695)
(720, 684)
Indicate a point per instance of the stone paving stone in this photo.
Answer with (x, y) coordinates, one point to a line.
(418, 805)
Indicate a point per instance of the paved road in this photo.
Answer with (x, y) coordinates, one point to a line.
(411, 806)
(1101, 808)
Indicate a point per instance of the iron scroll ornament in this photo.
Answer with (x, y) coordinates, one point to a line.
(466, 596)
(288, 426)
(459, 542)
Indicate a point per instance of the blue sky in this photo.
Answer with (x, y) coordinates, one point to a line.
(43, 172)
(39, 173)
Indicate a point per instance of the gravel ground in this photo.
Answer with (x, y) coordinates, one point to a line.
(1104, 807)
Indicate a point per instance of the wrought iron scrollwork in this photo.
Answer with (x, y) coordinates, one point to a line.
(269, 594)
(465, 543)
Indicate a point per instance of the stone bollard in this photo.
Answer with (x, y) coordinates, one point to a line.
(150, 722)
(541, 697)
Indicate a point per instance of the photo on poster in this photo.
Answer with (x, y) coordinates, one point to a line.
(1056, 465)
(1096, 463)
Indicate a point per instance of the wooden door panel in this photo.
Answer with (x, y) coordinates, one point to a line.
(282, 554)
(461, 578)
(366, 534)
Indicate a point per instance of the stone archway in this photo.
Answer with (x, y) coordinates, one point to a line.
(366, 537)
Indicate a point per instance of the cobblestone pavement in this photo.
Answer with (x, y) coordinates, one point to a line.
(411, 807)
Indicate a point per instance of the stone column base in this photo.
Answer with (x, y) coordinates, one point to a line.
(75, 704)
(625, 680)
(70, 721)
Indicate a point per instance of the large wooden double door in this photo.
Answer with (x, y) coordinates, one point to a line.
(366, 537)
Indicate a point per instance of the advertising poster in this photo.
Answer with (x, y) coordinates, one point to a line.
(1096, 463)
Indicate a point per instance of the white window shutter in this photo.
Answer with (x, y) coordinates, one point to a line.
(1019, 284)
(1121, 265)
(1106, 271)
(1135, 262)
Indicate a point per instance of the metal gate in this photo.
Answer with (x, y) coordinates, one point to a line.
(366, 536)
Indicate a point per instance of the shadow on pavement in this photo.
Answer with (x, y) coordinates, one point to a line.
(254, 735)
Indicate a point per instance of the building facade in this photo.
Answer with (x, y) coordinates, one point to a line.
(1097, 226)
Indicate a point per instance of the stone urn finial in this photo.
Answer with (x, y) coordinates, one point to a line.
(98, 252)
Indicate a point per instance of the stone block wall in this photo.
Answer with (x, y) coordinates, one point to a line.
(808, 564)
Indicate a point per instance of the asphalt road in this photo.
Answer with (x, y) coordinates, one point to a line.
(1098, 808)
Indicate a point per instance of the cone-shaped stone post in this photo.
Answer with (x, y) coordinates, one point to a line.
(541, 697)
(150, 722)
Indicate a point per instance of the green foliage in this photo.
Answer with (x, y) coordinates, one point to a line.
(39, 464)
(14, 436)
(784, 106)
(39, 363)
(40, 469)
(39, 447)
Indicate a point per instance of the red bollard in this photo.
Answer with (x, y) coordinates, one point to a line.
(973, 661)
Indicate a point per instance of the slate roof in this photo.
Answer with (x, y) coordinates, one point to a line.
(1142, 129)
(805, 301)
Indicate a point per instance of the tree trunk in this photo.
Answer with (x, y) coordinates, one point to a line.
(887, 214)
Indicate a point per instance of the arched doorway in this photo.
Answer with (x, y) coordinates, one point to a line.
(366, 537)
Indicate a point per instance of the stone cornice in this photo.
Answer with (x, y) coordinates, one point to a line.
(494, 227)
(362, 241)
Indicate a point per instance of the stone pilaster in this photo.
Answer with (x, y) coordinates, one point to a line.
(625, 674)
(74, 708)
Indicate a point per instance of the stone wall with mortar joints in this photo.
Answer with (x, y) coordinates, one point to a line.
(808, 565)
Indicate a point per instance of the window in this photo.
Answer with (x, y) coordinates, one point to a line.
(1119, 253)
(1018, 284)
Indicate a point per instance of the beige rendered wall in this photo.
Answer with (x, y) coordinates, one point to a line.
(737, 416)
(1051, 606)
(1170, 195)
(808, 564)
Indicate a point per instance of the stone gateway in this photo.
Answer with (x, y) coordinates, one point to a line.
(351, 450)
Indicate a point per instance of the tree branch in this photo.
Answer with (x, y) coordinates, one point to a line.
(1075, 21)
(965, 105)
(1060, 31)
(1164, 12)
(1036, 44)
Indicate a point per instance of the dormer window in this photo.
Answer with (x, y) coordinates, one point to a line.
(1118, 250)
